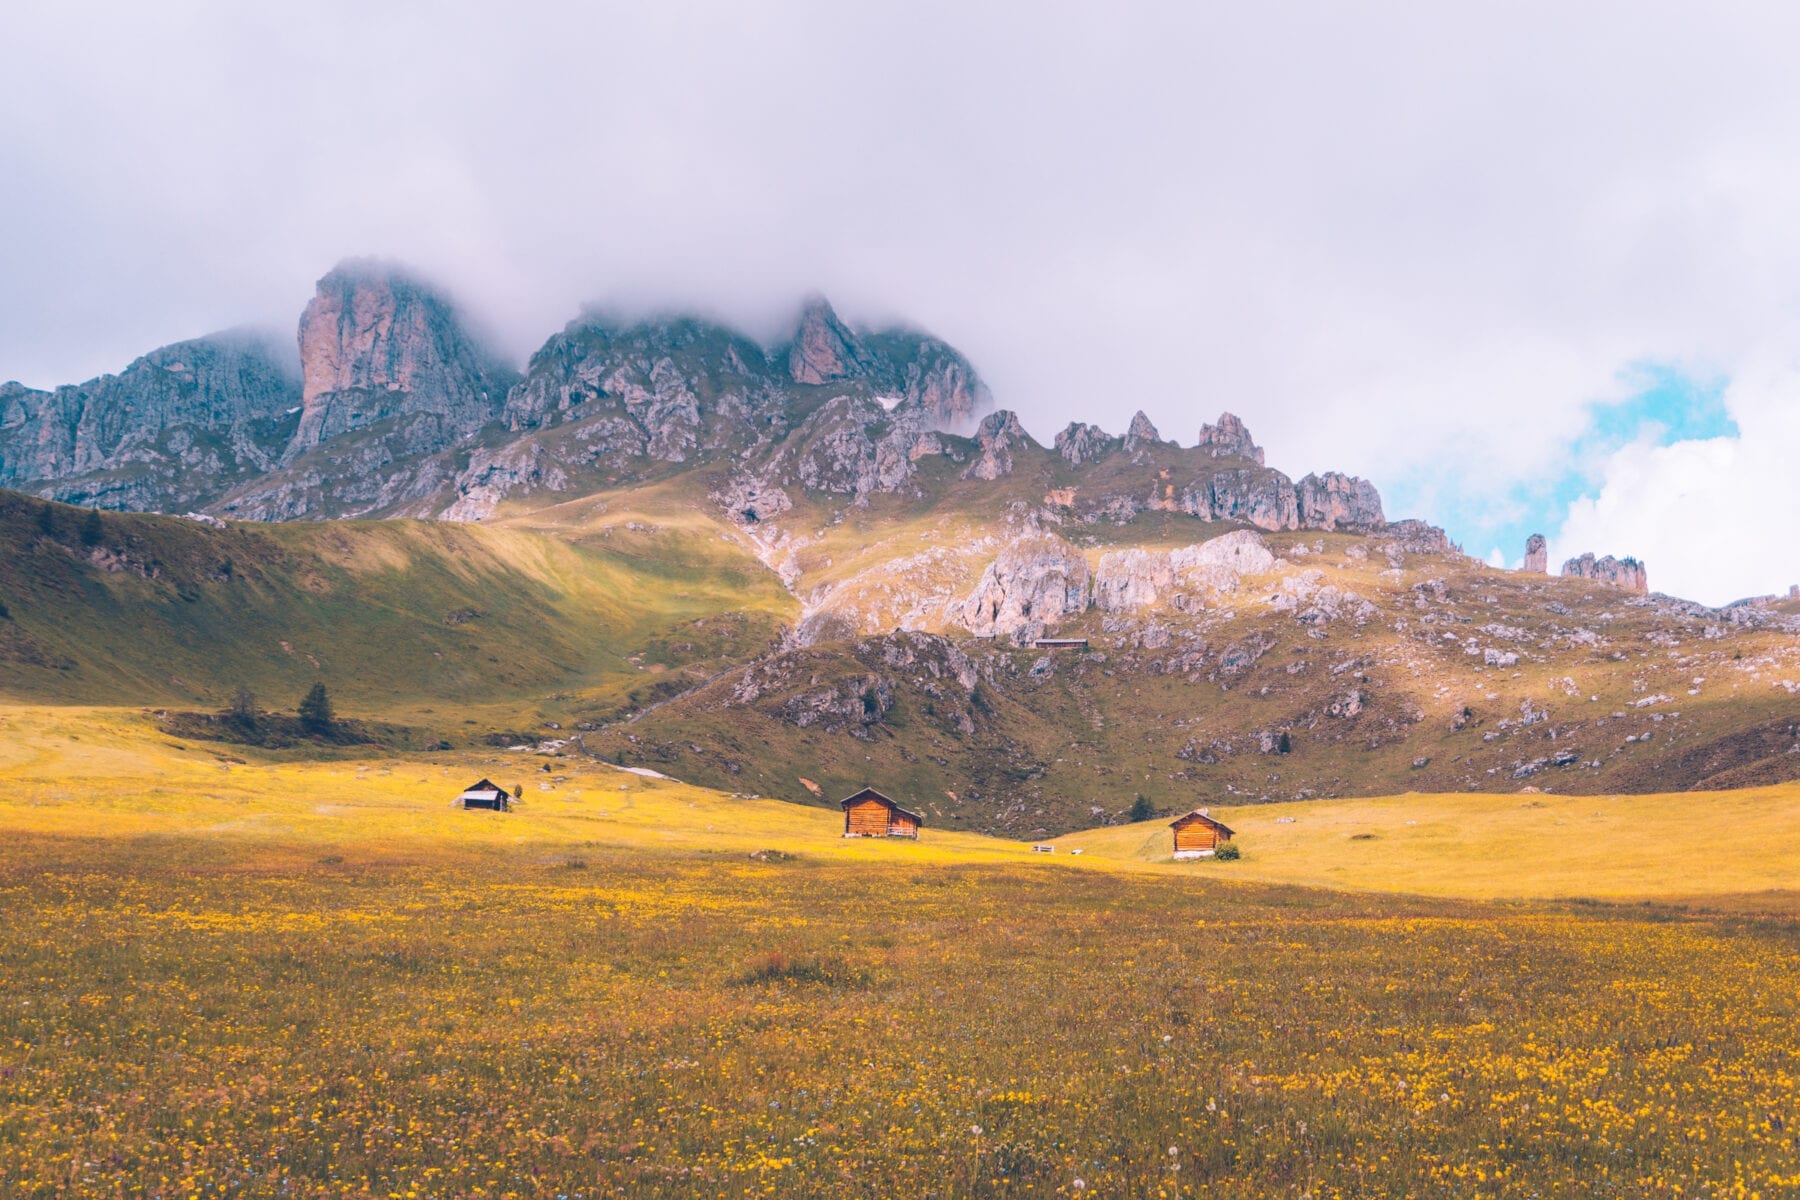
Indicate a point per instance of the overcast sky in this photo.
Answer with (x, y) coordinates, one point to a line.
(1526, 267)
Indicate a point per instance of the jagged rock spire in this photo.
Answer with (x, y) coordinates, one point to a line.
(824, 348)
(1083, 443)
(1141, 433)
(1537, 555)
(1230, 439)
(997, 434)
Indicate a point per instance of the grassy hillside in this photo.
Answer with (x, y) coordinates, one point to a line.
(1355, 667)
(269, 978)
(442, 623)
(73, 772)
(1736, 848)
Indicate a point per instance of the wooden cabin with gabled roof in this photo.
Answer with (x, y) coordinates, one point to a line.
(871, 814)
(1198, 835)
(485, 795)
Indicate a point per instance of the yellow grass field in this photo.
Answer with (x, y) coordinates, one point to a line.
(224, 974)
(1739, 847)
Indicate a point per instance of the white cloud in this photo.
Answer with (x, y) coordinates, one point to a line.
(1412, 242)
(1713, 518)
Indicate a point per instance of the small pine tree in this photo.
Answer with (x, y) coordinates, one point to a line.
(518, 791)
(47, 519)
(1142, 809)
(1285, 744)
(92, 529)
(243, 706)
(315, 710)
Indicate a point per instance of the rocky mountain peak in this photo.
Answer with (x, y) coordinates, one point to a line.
(1142, 432)
(1537, 560)
(824, 348)
(375, 343)
(1082, 443)
(997, 434)
(1230, 439)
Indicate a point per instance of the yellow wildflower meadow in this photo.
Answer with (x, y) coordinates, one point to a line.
(220, 990)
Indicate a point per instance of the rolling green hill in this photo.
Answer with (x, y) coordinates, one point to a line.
(444, 624)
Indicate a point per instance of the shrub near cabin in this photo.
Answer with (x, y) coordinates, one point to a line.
(1198, 835)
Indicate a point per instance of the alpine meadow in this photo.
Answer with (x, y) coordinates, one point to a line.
(462, 739)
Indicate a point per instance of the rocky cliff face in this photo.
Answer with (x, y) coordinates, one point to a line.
(377, 344)
(172, 431)
(664, 389)
(824, 350)
(1333, 501)
(397, 409)
(1185, 579)
(1627, 573)
(898, 366)
(1257, 496)
(1036, 581)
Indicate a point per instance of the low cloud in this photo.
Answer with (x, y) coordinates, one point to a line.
(1415, 243)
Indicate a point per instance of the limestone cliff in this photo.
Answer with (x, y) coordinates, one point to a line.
(377, 344)
(1036, 581)
(1627, 573)
(1333, 501)
(171, 431)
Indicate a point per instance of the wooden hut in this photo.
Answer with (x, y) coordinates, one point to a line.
(1198, 835)
(871, 814)
(486, 795)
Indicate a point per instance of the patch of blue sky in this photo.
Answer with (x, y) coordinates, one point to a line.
(1660, 405)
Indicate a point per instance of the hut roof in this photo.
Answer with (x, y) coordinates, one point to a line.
(1200, 815)
(872, 794)
(485, 790)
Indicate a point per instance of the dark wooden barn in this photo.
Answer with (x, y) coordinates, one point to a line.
(485, 795)
(871, 814)
(1198, 835)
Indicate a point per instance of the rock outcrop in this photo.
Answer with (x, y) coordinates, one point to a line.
(1332, 501)
(1036, 581)
(1537, 555)
(996, 436)
(898, 366)
(1133, 579)
(1082, 443)
(929, 377)
(1141, 434)
(1627, 573)
(1229, 439)
(377, 344)
(660, 389)
(494, 474)
(1257, 496)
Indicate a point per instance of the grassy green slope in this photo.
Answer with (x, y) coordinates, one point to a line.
(400, 615)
